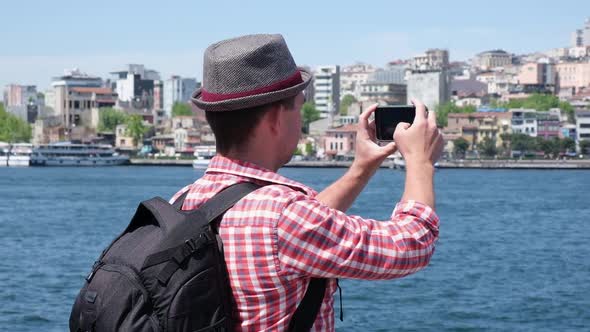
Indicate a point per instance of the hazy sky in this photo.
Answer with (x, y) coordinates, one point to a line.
(39, 39)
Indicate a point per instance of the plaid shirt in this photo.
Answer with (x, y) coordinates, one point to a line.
(279, 236)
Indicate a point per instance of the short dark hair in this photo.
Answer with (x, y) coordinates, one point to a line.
(233, 128)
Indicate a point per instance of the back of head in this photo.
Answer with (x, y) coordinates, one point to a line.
(242, 78)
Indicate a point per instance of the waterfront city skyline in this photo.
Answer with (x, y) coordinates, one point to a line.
(102, 37)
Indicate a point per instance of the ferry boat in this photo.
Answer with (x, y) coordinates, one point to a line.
(400, 163)
(203, 155)
(4, 148)
(69, 154)
(16, 154)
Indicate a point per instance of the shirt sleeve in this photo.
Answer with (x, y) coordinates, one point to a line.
(318, 241)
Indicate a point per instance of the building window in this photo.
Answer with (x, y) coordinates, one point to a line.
(341, 148)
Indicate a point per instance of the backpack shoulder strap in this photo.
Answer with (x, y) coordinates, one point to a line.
(224, 200)
(201, 217)
(309, 307)
(180, 200)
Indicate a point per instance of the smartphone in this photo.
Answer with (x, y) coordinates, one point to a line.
(387, 118)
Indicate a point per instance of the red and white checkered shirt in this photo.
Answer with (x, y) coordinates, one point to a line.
(279, 236)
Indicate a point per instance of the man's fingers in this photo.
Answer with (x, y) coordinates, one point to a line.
(431, 118)
(390, 148)
(402, 126)
(364, 117)
(420, 111)
(363, 125)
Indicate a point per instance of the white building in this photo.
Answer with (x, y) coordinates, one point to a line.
(430, 87)
(136, 83)
(178, 90)
(583, 125)
(60, 99)
(524, 121)
(327, 90)
(581, 37)
(498, 82)
(432, 59)
(352, 77)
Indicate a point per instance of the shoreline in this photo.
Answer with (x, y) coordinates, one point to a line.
(453, 164)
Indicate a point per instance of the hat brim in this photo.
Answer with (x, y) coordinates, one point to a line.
(254, 100)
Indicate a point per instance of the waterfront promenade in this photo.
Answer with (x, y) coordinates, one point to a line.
(475, 164)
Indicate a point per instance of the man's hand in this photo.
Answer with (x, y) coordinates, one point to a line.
(368, 154)
(368, 157)
(421, 143)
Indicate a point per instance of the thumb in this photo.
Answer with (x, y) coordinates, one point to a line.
(390, 148)
(402, 126)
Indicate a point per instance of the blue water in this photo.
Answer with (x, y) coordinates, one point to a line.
(513, 254)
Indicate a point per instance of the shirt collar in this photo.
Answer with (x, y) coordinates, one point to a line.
(221, 164)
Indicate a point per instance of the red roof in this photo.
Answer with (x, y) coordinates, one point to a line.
(99, 91)
(347, 128)
(476, 115)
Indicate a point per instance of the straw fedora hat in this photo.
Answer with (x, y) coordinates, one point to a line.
(248, 71)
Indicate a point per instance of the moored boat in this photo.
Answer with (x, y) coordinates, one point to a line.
(4, 147)
(69, 154)
(20, 154)
(203, 155)
(15, 154)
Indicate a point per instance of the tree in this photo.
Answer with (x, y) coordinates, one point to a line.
(109, 118)
(549, 147)
(505, 140)
(460, 146)
(309, 114)
(181, 109)
(12, 128)
(443, 110)
(309, 149)
(347, 100)
(584, 147)
(523, 143)
(568, 144)
(488, 147)
(135, 128)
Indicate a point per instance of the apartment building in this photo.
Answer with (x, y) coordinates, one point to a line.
(524, 121)
(327, 90)
(475, 127)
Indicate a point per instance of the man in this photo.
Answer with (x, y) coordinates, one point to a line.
(281, 235)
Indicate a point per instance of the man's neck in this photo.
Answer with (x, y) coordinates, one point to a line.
(260, 159)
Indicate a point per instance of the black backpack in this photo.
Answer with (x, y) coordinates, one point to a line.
(166, 272)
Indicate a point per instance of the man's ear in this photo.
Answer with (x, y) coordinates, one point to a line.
(272, 119)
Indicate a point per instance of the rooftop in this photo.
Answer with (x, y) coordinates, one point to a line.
(346, 128)
(480, 115)
(98, 91)
(498, 52)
